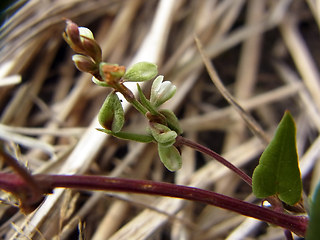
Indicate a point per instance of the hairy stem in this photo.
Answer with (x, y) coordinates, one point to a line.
(20, 170)
(139, 107)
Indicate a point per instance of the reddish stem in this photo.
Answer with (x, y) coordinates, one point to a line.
(196, 146)
(296, 224)
(32, 190)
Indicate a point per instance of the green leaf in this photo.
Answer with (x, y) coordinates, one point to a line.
(170, 157)
(172, 120)
(313, 231)
(140, 72)
(278, 171)
(145, 102)
(129, 136)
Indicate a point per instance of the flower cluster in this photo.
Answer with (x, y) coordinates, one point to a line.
(163, 124)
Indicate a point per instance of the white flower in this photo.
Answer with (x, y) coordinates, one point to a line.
(161, 91)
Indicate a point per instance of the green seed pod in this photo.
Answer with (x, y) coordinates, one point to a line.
(162, 134)
(111, 115)
(172, 120)
(129, 136)
(140, 72)
(170, 157)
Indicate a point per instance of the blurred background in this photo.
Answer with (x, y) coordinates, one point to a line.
(266, 53)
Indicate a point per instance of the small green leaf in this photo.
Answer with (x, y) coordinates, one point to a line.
(111, 114)
(129, 136)
(145, 102)
(172, 120)
(313, 231)
(278, 170)
(170, 157)
(140, 72)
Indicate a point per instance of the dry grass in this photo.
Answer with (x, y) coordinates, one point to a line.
(266, 54)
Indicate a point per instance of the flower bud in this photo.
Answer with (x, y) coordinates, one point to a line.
(140, 72)
(170, 157)
(72, 37)
(84, 63)
(71, 34)
(111, 114)
(161, 91)
(162, 134)
(81, 40)
(85, 32)
(91, 48)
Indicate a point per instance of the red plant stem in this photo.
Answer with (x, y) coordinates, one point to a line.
(21, 171)
(296, 224)
(196, 146)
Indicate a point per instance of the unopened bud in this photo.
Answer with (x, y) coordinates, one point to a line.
(72, 36)
(92, 48)
(72, 33)
(85, 32)
(81, 40)
(84, 63)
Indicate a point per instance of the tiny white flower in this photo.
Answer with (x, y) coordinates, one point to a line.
(161, 91)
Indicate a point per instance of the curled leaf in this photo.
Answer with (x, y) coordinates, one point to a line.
(111, 114)
(170, 157)
(140, 72)
(162, 134)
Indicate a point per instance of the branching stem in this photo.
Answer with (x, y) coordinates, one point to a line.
(196, 146)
